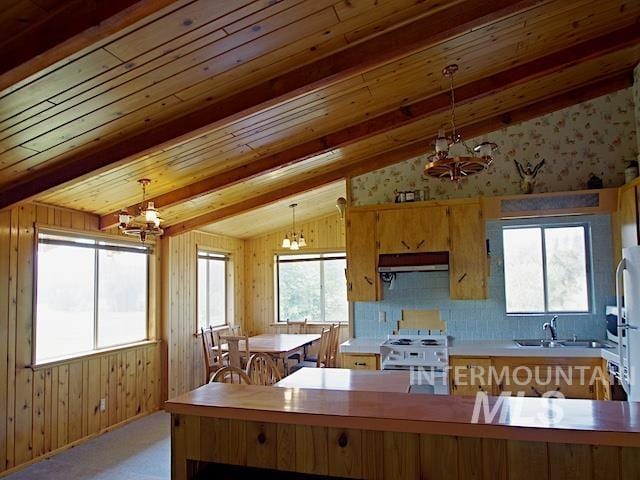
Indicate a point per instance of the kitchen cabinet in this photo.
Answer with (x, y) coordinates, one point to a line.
(413, 230)
(628, 211)
(470, 375)
(362, 276)
(361, 361)
(527, 376)
(468, 256)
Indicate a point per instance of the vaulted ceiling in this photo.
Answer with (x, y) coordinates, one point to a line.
(230, 105)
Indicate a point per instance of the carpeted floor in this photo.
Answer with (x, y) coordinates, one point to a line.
(137, 451)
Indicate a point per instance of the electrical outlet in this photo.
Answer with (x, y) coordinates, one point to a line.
(103, 404)
(382, 317)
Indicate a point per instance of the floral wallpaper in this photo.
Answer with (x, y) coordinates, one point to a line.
(598, 136)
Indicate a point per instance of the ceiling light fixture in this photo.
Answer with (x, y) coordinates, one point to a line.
(146, 223)
(293, 240)
(452, 158)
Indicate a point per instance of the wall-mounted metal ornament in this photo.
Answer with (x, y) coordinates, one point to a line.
(528, 175)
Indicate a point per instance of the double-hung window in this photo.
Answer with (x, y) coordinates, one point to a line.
(91, 294)
(312, 286)
(547, 269)
(212, 289)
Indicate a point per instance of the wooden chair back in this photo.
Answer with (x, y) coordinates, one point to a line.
(297, 327)
(237, 357)
(210, 360)
(323, 352)
(231, 375)
(333, 346)
(262, 370)
(235, 330)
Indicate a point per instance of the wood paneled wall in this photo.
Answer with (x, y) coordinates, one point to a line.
(322, 233)
(184, 354)
(48, 408)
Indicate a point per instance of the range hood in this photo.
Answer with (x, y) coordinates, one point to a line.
(414, 262)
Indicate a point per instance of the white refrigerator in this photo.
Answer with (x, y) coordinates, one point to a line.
(628, 300)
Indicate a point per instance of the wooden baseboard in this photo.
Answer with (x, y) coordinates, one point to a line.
(75, 443)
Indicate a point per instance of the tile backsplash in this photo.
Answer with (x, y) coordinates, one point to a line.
(486, 319)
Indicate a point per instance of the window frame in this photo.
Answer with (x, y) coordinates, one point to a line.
(116, 243)
(281, 253)
(222, 257)
(588, 268)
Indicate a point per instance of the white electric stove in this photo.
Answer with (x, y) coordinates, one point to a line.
(426, 356)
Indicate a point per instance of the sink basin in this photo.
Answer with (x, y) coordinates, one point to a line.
(539, 343)
(561, 343)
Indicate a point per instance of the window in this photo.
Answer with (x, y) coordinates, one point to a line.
(90, 294)
(312, 286)
(546, 269)
(212, 289)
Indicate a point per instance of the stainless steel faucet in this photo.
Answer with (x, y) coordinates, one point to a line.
(552, 326)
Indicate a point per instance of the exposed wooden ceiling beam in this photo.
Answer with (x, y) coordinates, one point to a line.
(566, 99)
(397, 118)
(386, 47)
(68, 29)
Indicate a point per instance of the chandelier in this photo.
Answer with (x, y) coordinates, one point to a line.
(146, 223)
(452, 158)
(293, 240)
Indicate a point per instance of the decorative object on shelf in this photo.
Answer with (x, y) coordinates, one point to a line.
(294, 240)
(453, 158)
(594, 182)
(341, 205)
(528, 175)
(631, 171)
(409, 196)
(146, 223)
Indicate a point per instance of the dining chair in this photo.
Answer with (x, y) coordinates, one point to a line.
(297, 328)
(231, 375)
(332, 353)
(237, 357)
(262, 370)
(211, 363)
(322, 359)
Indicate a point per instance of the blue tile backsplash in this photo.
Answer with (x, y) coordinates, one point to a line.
(486, 319)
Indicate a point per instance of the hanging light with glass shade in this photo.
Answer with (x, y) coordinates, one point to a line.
(452, 157)
(146, 223)
(294, 240)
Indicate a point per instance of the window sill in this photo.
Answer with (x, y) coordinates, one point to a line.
(95, 353)
(313, 324)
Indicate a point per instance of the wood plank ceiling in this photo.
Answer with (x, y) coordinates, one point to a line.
(228, 105)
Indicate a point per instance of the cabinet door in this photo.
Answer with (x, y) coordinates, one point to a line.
(628, 217)
(468, 257)
(470, 375)
(361, 362)
(411, 230)
(362, 277)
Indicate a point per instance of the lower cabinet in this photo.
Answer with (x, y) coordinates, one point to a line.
(361, 361)
(580, 378)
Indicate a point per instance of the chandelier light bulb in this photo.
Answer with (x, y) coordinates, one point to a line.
(295, 245)
(151, 214)
(286, 243)
(302, 242)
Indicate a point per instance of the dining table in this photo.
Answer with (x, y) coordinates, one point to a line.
(348, 379)
(278, 345)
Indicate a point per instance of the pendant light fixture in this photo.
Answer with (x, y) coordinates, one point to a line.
(452, 157)
(146, 223)
(293, 240)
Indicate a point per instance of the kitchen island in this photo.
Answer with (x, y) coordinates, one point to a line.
(356, 434)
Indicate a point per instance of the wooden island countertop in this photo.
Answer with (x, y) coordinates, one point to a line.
(579, 421)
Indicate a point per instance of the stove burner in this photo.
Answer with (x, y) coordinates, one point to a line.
(429, 342)
(402, 341)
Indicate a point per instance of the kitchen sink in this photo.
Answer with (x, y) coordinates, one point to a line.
(561, 343)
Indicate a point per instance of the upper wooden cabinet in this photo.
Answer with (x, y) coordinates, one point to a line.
(362, 276)
(628, 216)
(411, 230)
(468, 256)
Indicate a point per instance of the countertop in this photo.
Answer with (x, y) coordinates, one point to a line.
(528, 419)
(488, 348)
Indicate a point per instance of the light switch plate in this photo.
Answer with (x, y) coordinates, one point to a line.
(103, 404)
(382, 317)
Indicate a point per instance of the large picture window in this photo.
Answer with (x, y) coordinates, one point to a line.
(90, 294)
(546, 269)
(212, 289)
(312, 286)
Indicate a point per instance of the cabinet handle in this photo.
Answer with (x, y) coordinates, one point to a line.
(462, 277)
(343, 440)
(535, 390)
(405, 244)
(420, 244)
(262, 438)
(360, 364)
(369, 281)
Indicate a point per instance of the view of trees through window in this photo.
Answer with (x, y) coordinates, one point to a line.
(90, 294)
(546, 269)
(212, 289)
(312, 286)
